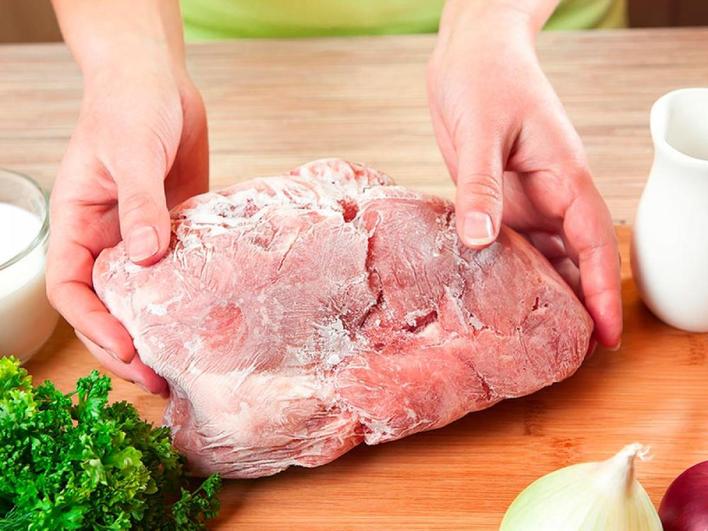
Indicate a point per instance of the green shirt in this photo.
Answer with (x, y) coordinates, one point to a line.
(225, 19)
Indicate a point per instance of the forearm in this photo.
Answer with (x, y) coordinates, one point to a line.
(527, 14)
(115, 33)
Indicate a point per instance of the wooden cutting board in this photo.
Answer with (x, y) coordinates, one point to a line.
(653, 390)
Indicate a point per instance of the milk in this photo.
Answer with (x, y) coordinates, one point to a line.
(26, 318)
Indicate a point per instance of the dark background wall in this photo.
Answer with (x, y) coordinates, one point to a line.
(647, 13)
(27, 21)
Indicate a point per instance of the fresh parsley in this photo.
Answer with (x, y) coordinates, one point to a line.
(74, 461)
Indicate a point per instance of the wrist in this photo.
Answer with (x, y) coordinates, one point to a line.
(114, 34)
(141, 60)
(522, 17)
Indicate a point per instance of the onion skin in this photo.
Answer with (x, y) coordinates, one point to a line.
(685, 503)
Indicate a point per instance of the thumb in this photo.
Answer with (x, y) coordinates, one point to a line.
(479, 198)
(142, 208)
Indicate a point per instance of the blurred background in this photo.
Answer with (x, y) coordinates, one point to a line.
(33, 20)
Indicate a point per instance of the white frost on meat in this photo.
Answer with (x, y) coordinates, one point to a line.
(297, 316)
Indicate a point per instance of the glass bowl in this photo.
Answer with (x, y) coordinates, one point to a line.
(26, 317)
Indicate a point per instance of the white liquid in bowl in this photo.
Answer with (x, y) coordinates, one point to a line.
(26, 318)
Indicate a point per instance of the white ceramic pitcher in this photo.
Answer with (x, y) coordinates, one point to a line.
(670, 239)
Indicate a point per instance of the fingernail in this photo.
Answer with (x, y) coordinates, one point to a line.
(616, 347)
(142, 243)
(142, 387)
(477, 228)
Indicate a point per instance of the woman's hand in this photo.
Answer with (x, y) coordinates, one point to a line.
(140, 147)
(514, 154)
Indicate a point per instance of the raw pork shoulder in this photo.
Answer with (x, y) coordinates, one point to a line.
(297, 316)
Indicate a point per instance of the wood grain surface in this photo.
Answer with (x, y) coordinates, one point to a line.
(275, 104)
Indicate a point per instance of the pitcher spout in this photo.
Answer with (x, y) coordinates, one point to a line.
(679, 128)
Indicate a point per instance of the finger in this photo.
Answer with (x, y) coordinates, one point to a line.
(442, 134)
(553, 248)
(189, 175)
(135, 371)
(478, 202)
(69, 270)
(442, 137)
(520, 210)
(142, 206)
(589, 232)
(569, 272)
(82, 309)
(549, 245)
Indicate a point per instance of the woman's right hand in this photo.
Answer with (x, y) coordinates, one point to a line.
(140, 147)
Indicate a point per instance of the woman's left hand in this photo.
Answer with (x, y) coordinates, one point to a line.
(515, 156)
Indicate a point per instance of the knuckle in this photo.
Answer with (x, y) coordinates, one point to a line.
(135, 203)
(162, 148)
(197, 113)
(146, 158)
(157, 157)
(54, 294)
(577, 172)
(572, 179)
(191, 98)
(482, 185)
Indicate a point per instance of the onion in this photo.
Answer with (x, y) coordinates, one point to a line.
(685, 504)
(594, 496)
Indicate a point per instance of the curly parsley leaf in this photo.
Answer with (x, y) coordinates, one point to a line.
(74, 461)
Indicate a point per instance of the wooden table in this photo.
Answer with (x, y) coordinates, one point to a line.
(275, 104)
